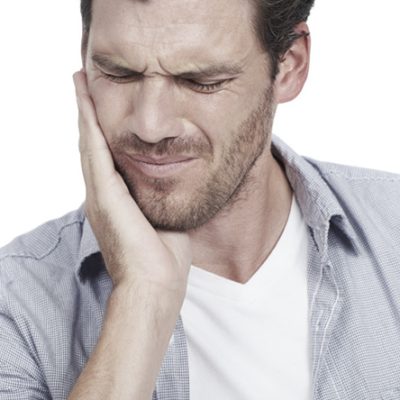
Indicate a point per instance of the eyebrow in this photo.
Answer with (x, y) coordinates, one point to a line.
(211, 71)
(199, 73)
(110, 66)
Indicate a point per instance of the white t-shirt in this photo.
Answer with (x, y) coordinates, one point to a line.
(250, 341)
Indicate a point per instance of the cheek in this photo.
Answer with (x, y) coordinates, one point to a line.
(220, 115)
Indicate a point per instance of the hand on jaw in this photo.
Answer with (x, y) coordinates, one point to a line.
(134, 252)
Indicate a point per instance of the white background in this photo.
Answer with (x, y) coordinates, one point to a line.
(348, 112)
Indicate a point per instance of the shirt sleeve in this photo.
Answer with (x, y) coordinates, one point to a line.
(20, 375)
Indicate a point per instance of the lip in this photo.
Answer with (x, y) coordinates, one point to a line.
(161, 160)
(161, 167)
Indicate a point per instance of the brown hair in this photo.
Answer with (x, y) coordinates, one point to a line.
(274, 24)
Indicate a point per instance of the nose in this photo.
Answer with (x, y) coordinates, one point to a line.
(153, 114)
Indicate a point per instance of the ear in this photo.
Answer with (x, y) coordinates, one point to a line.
(293, 69)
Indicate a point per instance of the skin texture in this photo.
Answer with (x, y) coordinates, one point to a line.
(159, 111)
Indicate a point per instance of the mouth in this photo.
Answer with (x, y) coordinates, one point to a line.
(162, 166)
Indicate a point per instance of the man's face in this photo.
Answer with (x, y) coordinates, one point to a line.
(183, 96)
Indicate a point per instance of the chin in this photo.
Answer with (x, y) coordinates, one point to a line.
(171, 214)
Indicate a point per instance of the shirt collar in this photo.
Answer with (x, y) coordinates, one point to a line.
(319, 205)
(320, 208)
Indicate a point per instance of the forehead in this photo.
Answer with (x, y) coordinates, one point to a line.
(171, 30)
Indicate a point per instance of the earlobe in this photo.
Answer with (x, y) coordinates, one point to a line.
(293, 69)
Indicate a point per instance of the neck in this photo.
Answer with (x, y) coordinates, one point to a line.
(236, 242)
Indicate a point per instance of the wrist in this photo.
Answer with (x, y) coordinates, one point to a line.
(132, 293)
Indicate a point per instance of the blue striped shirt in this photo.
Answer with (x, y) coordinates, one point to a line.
(54, 289)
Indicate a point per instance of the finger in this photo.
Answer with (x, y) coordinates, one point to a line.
(91, 135)
(97, 162)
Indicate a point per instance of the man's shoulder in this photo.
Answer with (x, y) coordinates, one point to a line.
(54, 243)
(333, 182)
(347, 173)
(363, 193)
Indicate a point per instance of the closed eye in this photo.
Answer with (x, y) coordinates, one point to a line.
(122, 78)
(203, 87)
(206, 88)
(202, 80)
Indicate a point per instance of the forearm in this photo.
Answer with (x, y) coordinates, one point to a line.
(135, 335)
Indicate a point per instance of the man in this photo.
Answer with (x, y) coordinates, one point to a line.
(209, 260)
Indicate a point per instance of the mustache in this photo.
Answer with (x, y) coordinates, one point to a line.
(130, 142)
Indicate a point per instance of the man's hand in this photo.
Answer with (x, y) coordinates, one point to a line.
(149, 270)
(133, 251)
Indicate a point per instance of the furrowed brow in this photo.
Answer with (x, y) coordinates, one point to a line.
(211, 72)
(108, 65)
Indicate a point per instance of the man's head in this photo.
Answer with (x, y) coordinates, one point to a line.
(274, 24)
(174, 81)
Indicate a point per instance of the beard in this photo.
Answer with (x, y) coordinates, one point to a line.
(173, 205)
